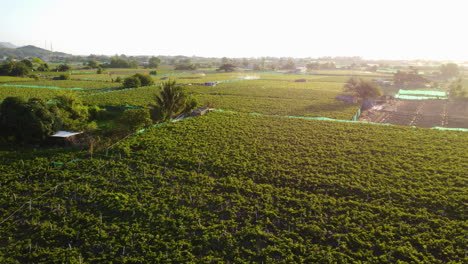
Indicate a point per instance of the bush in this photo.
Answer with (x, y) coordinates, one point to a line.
(133, 120)
(28, 121)
(132, 82)
(62, 77)
(153, 72)
(145, 80)
(63, 68)
(138, 80)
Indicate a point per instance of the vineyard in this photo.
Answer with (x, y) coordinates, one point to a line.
(279, 190)
(266, 93)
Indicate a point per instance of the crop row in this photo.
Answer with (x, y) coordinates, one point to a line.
(279, 190)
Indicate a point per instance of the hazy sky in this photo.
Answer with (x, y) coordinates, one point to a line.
(390, 29)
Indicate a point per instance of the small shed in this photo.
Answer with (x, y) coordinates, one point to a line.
(65, 138)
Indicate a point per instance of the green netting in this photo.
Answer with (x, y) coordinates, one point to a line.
(357, 115)
(130, 107)
(421, 92)
(451, 129)
(414, 97)
(171, 74)
(37, 86)
(108, 91)
(82, 72)
(96, 78)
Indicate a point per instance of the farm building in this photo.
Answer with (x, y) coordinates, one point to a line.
(64, 138)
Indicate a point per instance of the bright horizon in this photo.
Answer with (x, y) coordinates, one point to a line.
(431, 30)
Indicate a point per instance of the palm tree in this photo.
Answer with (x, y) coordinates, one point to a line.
(171, 102)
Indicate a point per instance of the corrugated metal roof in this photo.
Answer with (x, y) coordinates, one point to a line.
(65, 134)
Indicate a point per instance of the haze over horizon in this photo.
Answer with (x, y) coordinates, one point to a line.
(370, 29)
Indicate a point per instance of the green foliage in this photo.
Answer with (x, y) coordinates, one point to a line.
(13, 68)
(43, 67)
(27, 62)
(28, 121)
(93, 64)
(63, 68)
(362, 88)
(132, 82)
(154, 62)
(449, 70)
(457, 91)
(100, 70)
(403, 78)
(72, 112)
(145, 80)
(37, 61)
(227, 67)
(239, 188)
(138, 80)
(172, 101)
(133, 120)
(186, 66)
(63, 77)
(117, 62)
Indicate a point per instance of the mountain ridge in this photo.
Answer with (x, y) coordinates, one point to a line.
(6, 50)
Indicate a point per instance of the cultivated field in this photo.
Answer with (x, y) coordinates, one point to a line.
(421, 113)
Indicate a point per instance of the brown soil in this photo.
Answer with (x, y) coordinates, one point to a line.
(420, 113)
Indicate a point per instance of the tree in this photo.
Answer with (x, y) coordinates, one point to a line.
(362, 88)
(28, 63)
(138, 80)
(154, 62)
(100, 70)
(145, 80)
(43, 67)
(93, 64)
(133, 120)
(227, 67)
(63, 68)
(457, 90)
(171, 102)
(132, 82)
(402, 78)
(20, 69)
(290, 65)
(28, 121)
(37, 61)
(186, 66)
(72, 111)
(449, 70)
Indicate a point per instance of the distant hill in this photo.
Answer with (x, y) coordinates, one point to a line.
(28, 51)
(7, 45)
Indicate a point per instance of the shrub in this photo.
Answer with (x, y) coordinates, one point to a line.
(132, 82)
(145, 80)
